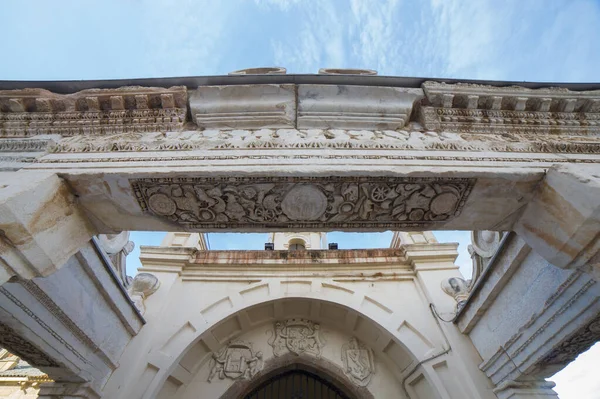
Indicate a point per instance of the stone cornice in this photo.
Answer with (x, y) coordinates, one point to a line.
(437, 107)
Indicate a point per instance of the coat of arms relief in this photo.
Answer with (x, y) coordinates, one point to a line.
(236, 361)
(359, 364)
(297, 336)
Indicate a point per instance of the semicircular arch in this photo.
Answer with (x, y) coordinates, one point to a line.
(260, 303)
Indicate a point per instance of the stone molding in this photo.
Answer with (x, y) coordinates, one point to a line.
(355, 107)
(31, 112)
(456, 108)
(9, 338)
(464, 107)
(243, 107)
(316, 203)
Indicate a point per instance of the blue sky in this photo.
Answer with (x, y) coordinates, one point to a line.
(520, 40)
(542, 40)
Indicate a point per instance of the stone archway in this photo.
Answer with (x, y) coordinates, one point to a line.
(276, 376)
(394, 355)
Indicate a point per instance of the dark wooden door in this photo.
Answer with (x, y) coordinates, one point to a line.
(296, 384)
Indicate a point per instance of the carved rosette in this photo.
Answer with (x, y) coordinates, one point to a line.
(237, 361)
(359, 363)
(297, 336)
(309, 203)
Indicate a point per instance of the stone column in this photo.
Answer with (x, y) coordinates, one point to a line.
(562, 222)
(535, 389)
(41, 225)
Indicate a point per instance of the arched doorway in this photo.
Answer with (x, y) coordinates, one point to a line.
(296, 384)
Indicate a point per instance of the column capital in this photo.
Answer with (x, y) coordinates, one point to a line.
(562, 221)
(41, 225)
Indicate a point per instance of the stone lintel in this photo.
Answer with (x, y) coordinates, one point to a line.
(562, 222)
(41, 224)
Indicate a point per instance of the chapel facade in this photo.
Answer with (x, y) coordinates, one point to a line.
(84, 163)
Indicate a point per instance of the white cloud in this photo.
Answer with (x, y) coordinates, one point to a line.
(579, 380)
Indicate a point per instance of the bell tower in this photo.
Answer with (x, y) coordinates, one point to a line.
(298, 241)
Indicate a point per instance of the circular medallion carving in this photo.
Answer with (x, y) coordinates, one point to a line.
(162, 205)
(304, 203)
(595, 327)
(443, 203)
(485, 242)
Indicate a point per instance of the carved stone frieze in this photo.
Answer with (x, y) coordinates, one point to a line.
(24, 349)
(306, 202)
(359, 362)
(474, 108)
(325, 139)
(297, 336)
(575, 345)
(237, 361)
(31, 112)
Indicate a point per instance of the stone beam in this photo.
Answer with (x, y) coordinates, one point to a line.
(41, 225)
(562, 222)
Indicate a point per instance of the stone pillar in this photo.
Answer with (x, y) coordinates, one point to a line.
(562, 222)
(535, 389)
(41, 225)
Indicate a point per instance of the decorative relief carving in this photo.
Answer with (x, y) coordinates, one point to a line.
(117, 247)
(276, 202)
(359, 363)
(458, 289)
(31, 112)
(572, 347)
(23, 145)
(297, 336)
(484, 245)
(465, 107)
(236, 361)
(23, 348)
(142, 286)
(322, 139)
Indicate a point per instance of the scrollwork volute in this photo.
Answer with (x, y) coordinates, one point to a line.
(142, 286)
(484, 245)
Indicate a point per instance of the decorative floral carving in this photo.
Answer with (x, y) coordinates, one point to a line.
(24, 349)
(236, 361)
(298, 336)
(359, 363)
(217, 203)
(572, 347)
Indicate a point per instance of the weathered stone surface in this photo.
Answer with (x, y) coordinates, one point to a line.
(465, 107)
(273, 203)
(41, 224)
(562, 223)
(31, 112)
(244, 106)
(355, 107)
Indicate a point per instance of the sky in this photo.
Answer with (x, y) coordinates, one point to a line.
(517, 40)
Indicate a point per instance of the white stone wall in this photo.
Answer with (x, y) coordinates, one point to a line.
(200, 308)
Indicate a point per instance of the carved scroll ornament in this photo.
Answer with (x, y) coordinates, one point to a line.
(285, 202)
